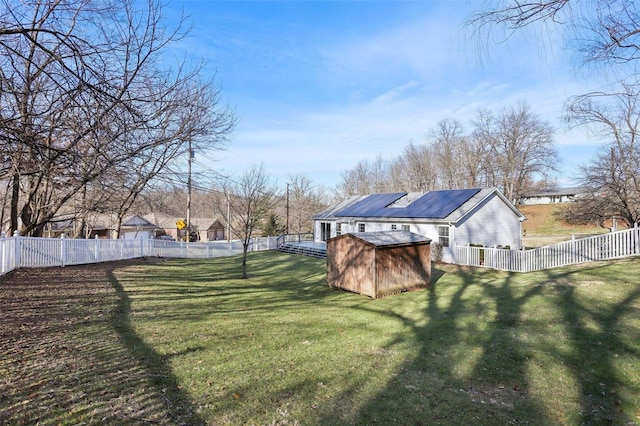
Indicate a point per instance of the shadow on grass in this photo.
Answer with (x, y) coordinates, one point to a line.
(488, 315)
(216, 288)
(69, 354)
(441, 384)
(178, 404)
(599, 345)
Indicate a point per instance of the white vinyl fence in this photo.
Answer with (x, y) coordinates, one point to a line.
(601, 247)
(29, 252)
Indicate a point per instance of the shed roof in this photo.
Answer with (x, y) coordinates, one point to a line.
(395, 238)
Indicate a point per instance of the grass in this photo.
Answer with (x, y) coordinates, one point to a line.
(544, 226)
(281, 348)
(543, 219)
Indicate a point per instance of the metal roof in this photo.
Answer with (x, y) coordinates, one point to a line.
(431, 205)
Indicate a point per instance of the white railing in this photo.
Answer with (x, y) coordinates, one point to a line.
(600, 247)
(30, 252)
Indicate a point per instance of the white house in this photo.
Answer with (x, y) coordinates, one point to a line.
(451, 217)
(550, 196)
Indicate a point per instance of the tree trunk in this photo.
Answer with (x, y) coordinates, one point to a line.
(245, 248)
(15, 199)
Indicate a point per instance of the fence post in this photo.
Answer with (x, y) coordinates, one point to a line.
(17, 260)
(3, 250)
(63, 251)
(96, 250)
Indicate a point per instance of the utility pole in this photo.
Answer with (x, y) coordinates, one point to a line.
(226, 193)
(286, 227)
(189, 193)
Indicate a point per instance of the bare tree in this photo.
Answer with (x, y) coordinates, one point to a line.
(611, 182)
(599, 31)
(303, 202)
(366, 177)
(80, 102)
(250, 199)
(520, 147)
(448, 141)
(414, 169)
(510, 150)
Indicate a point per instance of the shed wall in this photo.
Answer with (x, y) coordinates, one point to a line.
(402, 268)
(350, 265)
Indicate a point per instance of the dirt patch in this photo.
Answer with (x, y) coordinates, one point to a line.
(69, 356)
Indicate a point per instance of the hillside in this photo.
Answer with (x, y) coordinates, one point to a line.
(543, 226)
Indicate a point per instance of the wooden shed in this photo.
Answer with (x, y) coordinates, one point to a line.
(379, 263)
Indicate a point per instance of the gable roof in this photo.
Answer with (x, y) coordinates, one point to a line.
(166, 221)
(442, 205)
(136, 221)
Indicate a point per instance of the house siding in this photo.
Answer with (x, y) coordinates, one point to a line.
(490, 223)
(430, 230)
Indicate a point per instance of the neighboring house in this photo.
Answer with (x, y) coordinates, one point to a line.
(138, 228)
(452, 217)
(95, 225)
(549, 196)
(207, 229)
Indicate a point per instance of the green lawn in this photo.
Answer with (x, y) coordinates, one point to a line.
(557, 347)
(187, 341)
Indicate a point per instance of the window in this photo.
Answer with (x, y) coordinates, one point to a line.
(325, 230)
(338, 229)
(361, 227)
(443, 236)
(394, 227)
(406, 228)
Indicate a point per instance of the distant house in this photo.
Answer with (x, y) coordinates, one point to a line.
(449, 218)
(137, 227)
(549, 196)
(206, 229)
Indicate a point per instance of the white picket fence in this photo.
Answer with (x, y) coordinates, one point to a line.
(30, 252)
(613, 245)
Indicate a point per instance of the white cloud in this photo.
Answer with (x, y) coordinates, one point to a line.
(387, 87)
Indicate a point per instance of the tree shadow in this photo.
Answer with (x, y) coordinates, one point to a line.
(491, 382)
(71, 356)
(178, 404)
(436, 386)
(594, 330)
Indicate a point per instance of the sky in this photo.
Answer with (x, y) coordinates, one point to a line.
(318, 86)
